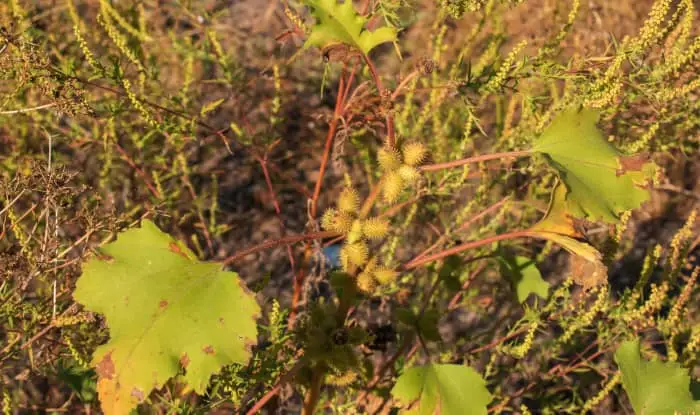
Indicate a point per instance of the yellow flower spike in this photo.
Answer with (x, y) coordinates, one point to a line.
(349, 201)
(393, 185)
(356, 253)
(355, 233)
(366, 283)
(408, 173)
(375, 228)
(341, 380)
(414, 153)
(389, 159)
(385, 275)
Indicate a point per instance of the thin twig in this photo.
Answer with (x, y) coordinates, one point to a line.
(475, 159)
(277, 242)
(328, 147)
(22, 110)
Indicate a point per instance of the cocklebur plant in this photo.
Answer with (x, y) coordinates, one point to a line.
(493, 168)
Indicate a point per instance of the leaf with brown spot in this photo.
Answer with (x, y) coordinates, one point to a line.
(175, 305)
(635, 162)
(184, 360)
(105, 367)
(208, 349)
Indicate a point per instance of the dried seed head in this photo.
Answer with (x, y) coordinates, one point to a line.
(414, 153)
(393, 185)
(349, 201)
(375, 228)
(389, 159)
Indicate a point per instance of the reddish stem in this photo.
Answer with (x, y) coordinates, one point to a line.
(140, 172)
(475, 159)
(466, 246)
(328, 147)
(390, 134)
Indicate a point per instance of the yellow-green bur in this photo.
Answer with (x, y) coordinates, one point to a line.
(165, 311)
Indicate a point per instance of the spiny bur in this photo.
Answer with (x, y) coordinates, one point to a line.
(366, 282)
(354, 254)
(385, 275)
(335, 221)
(389, 159)
(408, 174)
(413, 153)
(393, 185)
(375, 228)
(349, 201)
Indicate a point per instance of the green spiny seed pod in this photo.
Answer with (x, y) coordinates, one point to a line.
(385, 275)
(366, 283)
(355, 254)
(393, 185)
(389, 159)
(414, 153)
(409, 174)
(349, 201)
(375, 228)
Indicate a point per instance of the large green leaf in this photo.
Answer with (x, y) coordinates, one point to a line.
(654, 387)
(524, 275)
(601, 182)
(442, 389)
(166, 312)
(340, 23)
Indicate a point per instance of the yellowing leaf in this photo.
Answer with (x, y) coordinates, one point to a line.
(442, 389)
(654, 387)
(559, 227)
(601, 182)
(339, 23)
(166, 312)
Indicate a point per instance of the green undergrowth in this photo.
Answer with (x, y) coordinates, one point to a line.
(510, 187)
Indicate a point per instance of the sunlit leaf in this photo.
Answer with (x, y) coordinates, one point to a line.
(442, 389)
(601, 182)
(166, 312)
(654, 387)
(339, 23)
